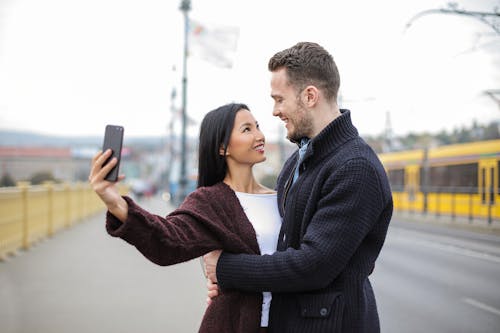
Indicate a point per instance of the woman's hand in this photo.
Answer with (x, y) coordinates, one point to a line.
(106, 190)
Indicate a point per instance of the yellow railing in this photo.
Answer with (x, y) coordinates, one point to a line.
(31, 212)
(468, 204)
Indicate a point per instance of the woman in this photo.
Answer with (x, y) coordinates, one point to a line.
(229, 210)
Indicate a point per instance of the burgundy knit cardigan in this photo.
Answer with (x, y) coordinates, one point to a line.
(210, 218)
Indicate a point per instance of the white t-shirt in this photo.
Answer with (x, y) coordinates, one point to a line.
(262, 212)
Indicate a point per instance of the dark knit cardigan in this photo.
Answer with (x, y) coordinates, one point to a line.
(209, 218)
(335, 219)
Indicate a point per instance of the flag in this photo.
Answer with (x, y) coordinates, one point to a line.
(215, 44)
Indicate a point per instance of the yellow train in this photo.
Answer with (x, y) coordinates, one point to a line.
(456, 180)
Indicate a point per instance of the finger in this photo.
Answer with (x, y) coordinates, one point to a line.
(97, 162)
(212, 277)
(96, 156)
(92, 164)
(211, 285)
(104, 156)
(107, 168)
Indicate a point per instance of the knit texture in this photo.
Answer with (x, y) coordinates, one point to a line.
(335, 220)
(210, 218)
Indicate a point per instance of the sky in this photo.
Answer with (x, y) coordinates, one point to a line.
(69, 67)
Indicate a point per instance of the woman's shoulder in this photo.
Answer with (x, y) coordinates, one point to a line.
(217, 190)
(209, 198)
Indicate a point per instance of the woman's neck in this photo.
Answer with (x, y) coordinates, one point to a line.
(242, 180)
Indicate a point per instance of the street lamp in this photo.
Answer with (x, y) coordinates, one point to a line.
(454, 10)
(182, 192)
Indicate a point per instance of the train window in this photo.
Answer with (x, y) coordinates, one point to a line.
(492, 188)
(397, 179)
(483, 183)
(458, 178)
(498, 178)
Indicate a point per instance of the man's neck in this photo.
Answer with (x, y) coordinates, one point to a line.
(324, 116)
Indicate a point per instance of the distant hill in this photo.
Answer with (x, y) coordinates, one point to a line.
(24, 138)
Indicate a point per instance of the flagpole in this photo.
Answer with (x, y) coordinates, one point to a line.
(185, 8)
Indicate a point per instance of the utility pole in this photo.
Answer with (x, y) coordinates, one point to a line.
(171, 151)
(388, 134)
(182, 191)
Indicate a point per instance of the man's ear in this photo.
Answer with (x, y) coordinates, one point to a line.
(310, 95)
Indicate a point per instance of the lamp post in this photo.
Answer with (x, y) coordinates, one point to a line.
(182, 192)
(454, 10)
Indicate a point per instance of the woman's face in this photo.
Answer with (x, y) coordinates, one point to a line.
(246, 143)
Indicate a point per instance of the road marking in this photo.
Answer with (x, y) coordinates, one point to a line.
(481, 306)
(444, 247)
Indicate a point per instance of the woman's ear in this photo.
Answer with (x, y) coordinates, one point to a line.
(221, 151)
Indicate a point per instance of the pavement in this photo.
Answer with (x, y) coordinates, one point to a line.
(480, 225)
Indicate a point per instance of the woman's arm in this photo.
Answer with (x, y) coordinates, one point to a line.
(179, 237)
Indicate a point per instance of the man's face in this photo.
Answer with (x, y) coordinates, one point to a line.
(289, 107)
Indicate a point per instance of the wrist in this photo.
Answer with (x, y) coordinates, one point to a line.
(119, 209)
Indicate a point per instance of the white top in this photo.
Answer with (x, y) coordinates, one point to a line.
(262, 212)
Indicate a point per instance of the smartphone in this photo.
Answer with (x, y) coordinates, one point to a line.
(113, 139)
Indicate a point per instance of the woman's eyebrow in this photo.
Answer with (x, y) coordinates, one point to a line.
(245, 124)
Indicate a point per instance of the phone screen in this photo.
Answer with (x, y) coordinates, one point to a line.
(113, 139)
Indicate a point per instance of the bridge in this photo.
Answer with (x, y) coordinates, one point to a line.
(429, 278)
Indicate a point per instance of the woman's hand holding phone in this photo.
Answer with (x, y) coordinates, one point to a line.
(107, 190)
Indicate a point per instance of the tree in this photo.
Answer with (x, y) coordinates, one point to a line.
(7, 180)
(41, 177)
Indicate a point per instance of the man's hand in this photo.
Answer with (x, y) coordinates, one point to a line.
(213, 291)
(210, 261)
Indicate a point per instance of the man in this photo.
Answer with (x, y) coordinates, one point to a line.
(336, 204)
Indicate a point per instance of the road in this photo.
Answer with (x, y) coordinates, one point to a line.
(83, 280)
(435, 279)
(428, 279)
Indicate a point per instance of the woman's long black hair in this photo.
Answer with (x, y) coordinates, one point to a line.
(215, 131)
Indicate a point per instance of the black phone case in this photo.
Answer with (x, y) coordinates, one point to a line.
(113, 139)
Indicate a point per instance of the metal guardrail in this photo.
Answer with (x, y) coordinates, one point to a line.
(455, 202)
(29, 213)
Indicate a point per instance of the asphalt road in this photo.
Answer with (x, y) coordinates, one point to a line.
(82, 280)
(428, 279)
(435, 279)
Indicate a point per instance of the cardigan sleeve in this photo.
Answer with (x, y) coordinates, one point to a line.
(350, 206)
(180, 236)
